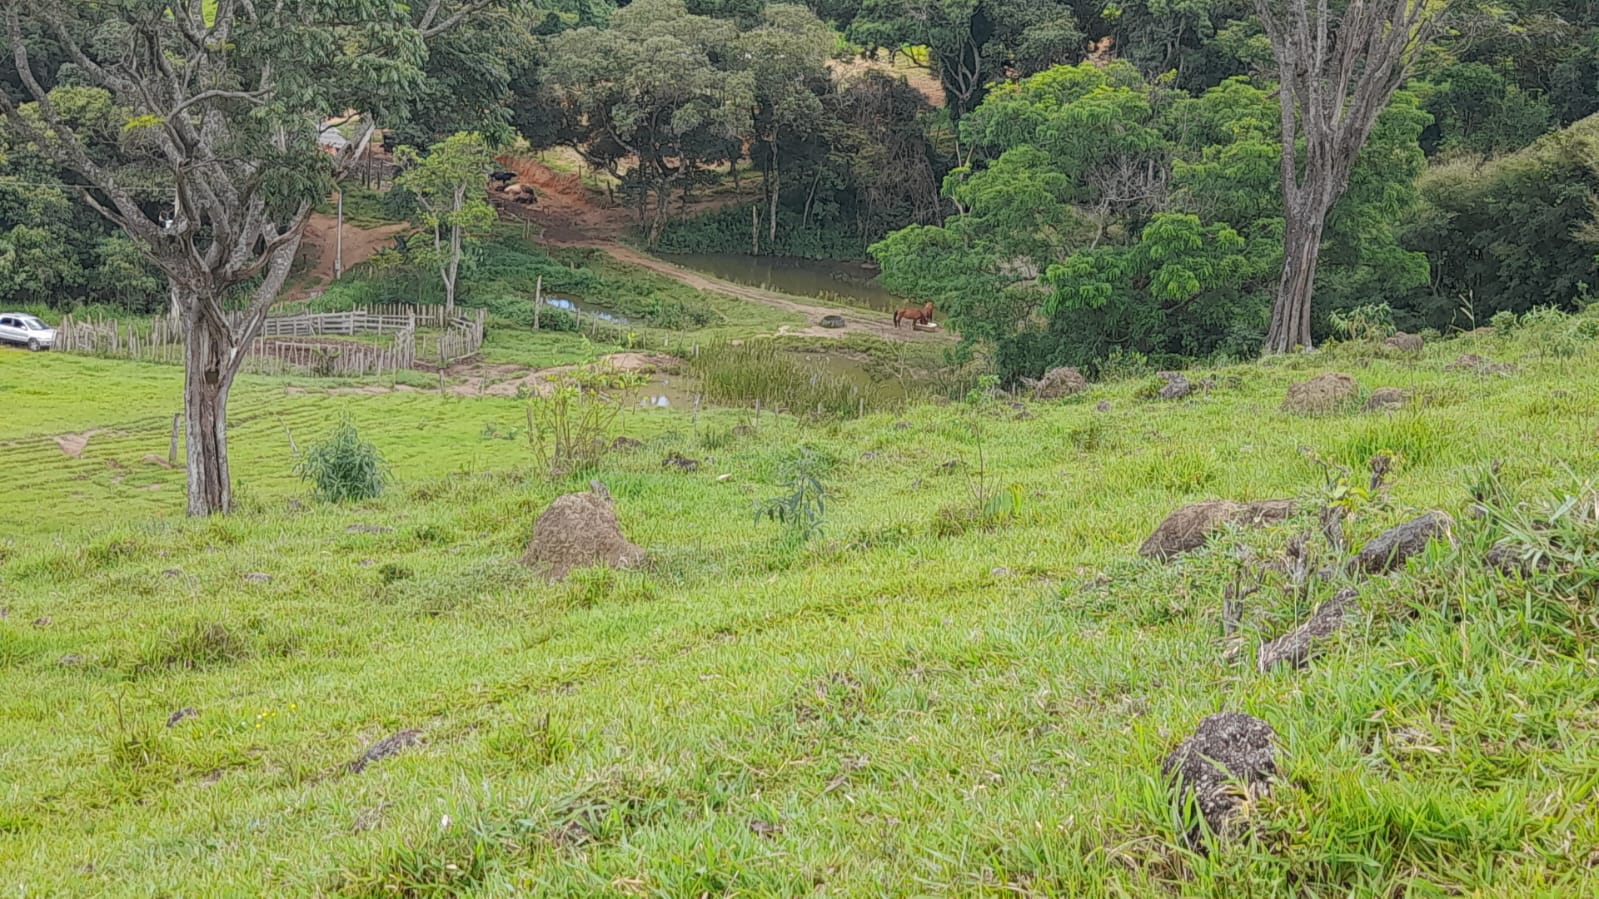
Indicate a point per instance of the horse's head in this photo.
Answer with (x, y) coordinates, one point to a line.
(928, 309)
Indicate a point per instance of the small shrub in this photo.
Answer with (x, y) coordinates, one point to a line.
(1094, 434)
(802, 508)
(533, 743)
(1504, 322)
(569, 428)
(344, 467)
(1125, 365)
(1369, 323)
(389, 572)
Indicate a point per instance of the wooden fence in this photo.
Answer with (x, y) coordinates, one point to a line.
(275, 351)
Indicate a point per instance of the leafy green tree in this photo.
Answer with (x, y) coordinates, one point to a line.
(1105, 214)
(972, 43)
(887, 171)
(122, 273)
(449, 188)
(213, 162)
(55, 251)
(787, 56)
(657, 90)
(1478, 110)
(1510, 235)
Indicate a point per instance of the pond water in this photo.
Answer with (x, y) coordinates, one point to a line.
(853, 283)
(578, 307)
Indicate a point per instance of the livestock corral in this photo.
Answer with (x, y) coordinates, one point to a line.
(366, 341)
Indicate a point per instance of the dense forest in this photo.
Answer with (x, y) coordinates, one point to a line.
(1069, 183)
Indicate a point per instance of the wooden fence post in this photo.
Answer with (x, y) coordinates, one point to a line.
(172, 445)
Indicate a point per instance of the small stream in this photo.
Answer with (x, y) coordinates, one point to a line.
(852, 283)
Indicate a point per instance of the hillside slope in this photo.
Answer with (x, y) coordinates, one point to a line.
(912, 703)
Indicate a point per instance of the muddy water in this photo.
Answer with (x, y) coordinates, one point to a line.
(853, 283)
(580, 308)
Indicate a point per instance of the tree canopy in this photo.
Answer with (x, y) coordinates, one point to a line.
(1112, 216)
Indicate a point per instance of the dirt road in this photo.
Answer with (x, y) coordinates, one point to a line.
(571, 215)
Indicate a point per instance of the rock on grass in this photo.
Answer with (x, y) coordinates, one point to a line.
(1229, 761)
(1405, 343)
(1192, 526)
(1389, 550)
(1322, 394)
(389, 746)
(1385, 399)
(576, 531)
(1059, 382)
(1296, 647)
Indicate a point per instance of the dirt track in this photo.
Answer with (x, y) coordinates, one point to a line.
(573, 216)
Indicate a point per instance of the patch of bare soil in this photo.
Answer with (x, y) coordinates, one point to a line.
(856, 321)
(482, 379)
(73, 445)
(320, 244)
(571, 215)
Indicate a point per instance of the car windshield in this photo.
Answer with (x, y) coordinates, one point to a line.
(34, 324)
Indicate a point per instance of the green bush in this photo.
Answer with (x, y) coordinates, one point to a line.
(1371, 322)
(344, 467)
(727, 230)
(1504, 322)
(1511, 233)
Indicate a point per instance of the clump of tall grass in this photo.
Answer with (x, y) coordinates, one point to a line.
(344, 467)
(757, 371)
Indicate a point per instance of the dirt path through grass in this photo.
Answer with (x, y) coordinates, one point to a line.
(572, 216)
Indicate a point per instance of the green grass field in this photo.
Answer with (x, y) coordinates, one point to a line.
(909, 704)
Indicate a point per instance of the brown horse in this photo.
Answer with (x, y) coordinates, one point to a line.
(916, 317)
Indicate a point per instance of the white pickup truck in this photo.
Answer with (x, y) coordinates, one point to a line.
(20, 328)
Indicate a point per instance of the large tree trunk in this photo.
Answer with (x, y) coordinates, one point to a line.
(213, 353)
(1290, 313)
(663, 208)
(207, 377)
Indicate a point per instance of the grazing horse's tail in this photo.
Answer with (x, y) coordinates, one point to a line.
(898, 315)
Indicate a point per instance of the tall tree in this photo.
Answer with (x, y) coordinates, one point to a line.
(219, 160)
(656, 91)
(971, 43)
(449, 186)
(787, 54)
(1337, 69)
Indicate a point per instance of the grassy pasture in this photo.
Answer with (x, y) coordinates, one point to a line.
(899, 707)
